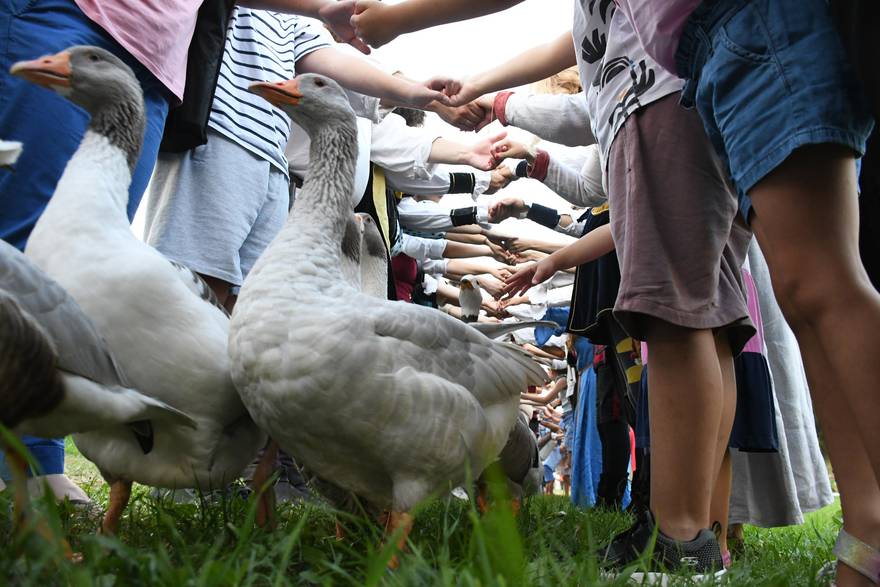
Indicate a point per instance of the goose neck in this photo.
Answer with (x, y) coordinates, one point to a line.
(122, 122)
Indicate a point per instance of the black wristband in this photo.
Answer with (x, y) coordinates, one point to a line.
(462, 183)
(543, 215)
(463, 216)
(522, 169)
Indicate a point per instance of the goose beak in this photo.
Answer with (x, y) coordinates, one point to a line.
(50, 71)
(278, 93)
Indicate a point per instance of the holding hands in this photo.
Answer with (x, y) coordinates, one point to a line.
(528, 276)
(480, 154)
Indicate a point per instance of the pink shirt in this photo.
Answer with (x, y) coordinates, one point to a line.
(156, 32)
(659, 24)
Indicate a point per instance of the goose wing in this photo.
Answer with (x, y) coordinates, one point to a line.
(81, 349)
(194, 282)
(434, 343)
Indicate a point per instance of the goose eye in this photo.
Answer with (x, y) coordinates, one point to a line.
(320, 83)
(93, 57)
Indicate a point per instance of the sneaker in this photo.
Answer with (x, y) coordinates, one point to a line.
(699, 558)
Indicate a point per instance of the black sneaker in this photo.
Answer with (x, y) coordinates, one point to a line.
(699, 558)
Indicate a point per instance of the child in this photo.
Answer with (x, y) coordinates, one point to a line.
(784, 108)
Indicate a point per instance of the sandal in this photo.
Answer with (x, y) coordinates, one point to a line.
(858, 556)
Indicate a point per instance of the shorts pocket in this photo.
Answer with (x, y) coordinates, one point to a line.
(746, 35)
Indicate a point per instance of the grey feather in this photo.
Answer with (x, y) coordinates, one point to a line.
(198, 285)
(81, 349)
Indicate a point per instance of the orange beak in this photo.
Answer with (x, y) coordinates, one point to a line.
(48, 71)
(278, 93)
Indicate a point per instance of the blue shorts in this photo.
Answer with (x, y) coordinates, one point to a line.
(49, 126)
(768, 77)
(548, 474)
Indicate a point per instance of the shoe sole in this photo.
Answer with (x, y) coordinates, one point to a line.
(663, 579)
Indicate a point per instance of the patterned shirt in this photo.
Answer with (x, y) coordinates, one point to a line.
(260, 46)
(618, 75)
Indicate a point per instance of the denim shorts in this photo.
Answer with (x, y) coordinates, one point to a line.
(767, 77)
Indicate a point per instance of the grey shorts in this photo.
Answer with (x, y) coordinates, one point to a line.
(215, 208)
(680, 241)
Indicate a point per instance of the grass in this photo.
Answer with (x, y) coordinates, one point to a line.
(216, 543)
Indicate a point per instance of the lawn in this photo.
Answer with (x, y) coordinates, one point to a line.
(216, 543)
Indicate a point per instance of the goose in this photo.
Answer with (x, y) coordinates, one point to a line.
(415, 398)
(470, 297)
(57, 375)
(169, 339)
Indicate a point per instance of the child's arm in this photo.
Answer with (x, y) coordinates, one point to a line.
(529, 66)
(361, 76)
(478, 155)
(588, 248)
(336, 15)
(378, 23)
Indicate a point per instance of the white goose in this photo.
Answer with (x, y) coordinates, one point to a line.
(170, 341)
(57, 375)
(415, 396)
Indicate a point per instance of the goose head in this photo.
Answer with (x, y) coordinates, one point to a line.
(312, 101)
(100, 83)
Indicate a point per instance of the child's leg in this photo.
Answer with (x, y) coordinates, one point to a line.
(806, 220)
(686, 406)
(720, 510)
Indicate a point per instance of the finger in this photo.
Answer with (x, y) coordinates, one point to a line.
(498, 137)
(358, 44)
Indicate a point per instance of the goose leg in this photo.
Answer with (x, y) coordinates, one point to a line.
(265, 495)
(483, 498)
(402, 521)
(340, 531)
(120, 493)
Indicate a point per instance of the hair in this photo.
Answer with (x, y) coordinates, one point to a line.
(567, 81)
(412, 116)
(30, 385)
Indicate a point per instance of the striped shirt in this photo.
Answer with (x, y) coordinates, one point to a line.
(260, 46)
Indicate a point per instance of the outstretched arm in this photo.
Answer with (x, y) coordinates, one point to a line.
(588, 248)
(336, 15)
(378, 23)
(361, 76)
(529, 66)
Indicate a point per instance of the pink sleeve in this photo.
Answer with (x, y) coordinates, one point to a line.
(659, 24)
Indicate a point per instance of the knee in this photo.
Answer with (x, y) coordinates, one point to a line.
(807, 301)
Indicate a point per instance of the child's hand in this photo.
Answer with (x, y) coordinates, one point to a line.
(509, 149)
(337, 18)
(420, 96)
(467, 91)
(480, 154)
(506, 208)
(529, 276)
(500, 179)
(467, 118)
(373, 22)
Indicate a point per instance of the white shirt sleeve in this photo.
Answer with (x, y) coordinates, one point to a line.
(427, 216)
(399, 148)
(559, 118)
(420, 248)
(435, 266)
(579, 183)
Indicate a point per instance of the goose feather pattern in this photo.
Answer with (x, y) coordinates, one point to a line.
(388, 400)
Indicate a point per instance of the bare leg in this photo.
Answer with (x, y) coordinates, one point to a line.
(266, 495)
(721, 500)
(482, 497)
(686, 404)
(120, 493)
(806, 221)
(404, 522)
(721, 494)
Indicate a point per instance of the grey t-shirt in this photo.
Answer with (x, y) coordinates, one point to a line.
(617, 74)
